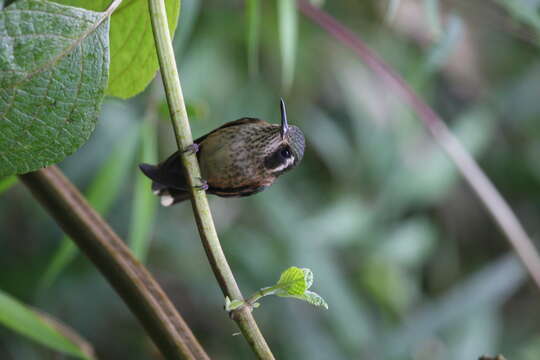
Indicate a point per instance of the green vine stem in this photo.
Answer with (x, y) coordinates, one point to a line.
(497, 207)
(203, 216)
(261, 293)
(113, 258)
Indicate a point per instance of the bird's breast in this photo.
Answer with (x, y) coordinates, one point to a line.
(229, 164)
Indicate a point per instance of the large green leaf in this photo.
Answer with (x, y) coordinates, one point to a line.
(53, 63)
(19, 318)
(133, 56)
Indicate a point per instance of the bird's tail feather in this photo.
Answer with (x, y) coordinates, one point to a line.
(168, 180)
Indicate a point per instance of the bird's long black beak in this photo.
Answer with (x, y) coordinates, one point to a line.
(284, 123)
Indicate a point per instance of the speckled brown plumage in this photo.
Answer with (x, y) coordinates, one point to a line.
(240, 158)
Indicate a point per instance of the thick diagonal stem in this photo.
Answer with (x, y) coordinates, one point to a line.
(113, 258)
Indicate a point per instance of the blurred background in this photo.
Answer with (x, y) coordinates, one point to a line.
(411, 265)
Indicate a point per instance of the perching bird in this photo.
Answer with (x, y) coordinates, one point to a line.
(240, 158)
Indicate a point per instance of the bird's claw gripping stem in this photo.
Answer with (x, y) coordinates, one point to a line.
(203, 186)
(191, 149)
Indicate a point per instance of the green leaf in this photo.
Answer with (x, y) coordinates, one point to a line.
(295, 282)
(144, 202)
(308, 277)
(253, 20)
(19, 318)
(7, 182)
(101, 194)
(133, 56)
(291, 282)
(312, 298)
(288, 32)
(232, 305)
(54, 63)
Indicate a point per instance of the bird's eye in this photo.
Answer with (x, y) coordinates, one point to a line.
(285, 153)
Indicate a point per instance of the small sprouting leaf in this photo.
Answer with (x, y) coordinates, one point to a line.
(291, 282)
(54, 63)
(295, 282)
(232, 305)
(313, 298)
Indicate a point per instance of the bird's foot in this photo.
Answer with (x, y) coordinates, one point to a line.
(191, 149)
(203, 186)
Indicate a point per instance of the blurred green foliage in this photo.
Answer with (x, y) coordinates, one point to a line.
(101, 194)
(408, 260)
(23, 320)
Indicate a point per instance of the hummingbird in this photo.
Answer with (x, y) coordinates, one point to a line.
(240, 158)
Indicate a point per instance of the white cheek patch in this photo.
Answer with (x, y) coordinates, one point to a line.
(288, 162)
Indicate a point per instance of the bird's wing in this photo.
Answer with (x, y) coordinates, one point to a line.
(241, 121)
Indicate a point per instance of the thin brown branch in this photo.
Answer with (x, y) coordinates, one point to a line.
(113, 258)
(471, 171)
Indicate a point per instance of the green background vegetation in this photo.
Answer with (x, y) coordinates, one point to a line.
(409, 262)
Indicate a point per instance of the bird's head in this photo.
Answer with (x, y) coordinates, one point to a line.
(287, 146)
